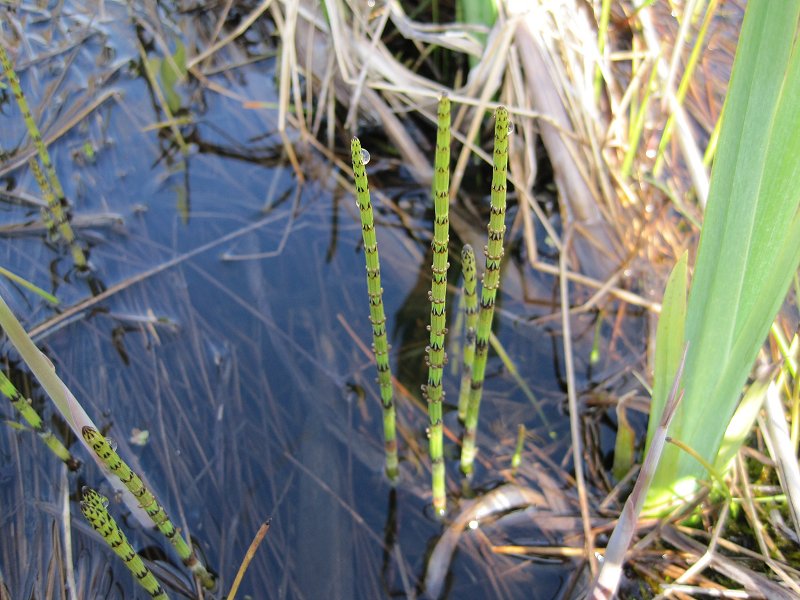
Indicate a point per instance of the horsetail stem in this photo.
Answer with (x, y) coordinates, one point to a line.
(51, 210)
(438, 296)
(93, 507)
(28, 413)
(491, 281)
(471, 312)
(56, 199)
(148, 502)
(380, 346)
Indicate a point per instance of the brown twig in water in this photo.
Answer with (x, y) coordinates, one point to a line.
(248, 557)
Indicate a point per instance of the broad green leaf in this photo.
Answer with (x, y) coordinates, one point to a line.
(750, 242)
(669, 342)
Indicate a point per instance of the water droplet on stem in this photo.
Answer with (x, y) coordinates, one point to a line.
(365, 156)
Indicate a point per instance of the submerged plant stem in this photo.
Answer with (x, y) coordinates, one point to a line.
(33, 419)
(438, 296)
(48, 181)
(491, 281)
(377, 317)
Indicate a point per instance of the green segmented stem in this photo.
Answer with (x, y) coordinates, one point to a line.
(438, 296)
(50, 184)
(148, 502)
(380, 345)
(28, 413)
(47, 211)
(471, 311)
(93, 507)
(491, 281)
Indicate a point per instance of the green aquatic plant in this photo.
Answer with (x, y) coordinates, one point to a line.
(491, 282)
(516, 458)
(94, 508)
(377, 316)
(468, 270)
(478, 322)
(24, 408)
(438, 296)
(48, 181)
(148, 502)
(748, 254)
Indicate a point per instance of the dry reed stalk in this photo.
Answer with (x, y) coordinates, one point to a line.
(773, 425)
(607, 582)
(577, 454)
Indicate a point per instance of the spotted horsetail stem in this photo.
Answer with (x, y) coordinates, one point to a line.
(438, 296)
(48, 181)
(148, 502)
(471, 313)
(491, 281)
(377, 316)
(93, 507)
(23, 406)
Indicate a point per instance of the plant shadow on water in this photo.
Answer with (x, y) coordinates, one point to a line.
(250, 372)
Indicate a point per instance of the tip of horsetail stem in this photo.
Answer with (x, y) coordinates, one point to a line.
(377, 316)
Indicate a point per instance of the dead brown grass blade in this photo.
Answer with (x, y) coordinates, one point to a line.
(248, 557)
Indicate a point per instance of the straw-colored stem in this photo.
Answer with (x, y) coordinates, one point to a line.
(377, 317)
(471, 313)
(148, 502)
(438, 296)
(93, 507)
(491, 281)
(33, 419)
(48, 181)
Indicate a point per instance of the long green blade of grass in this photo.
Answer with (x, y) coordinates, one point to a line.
(669, 340)
(66, 403)
(750, 242)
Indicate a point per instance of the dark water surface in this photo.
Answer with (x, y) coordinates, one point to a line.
(253, 384)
